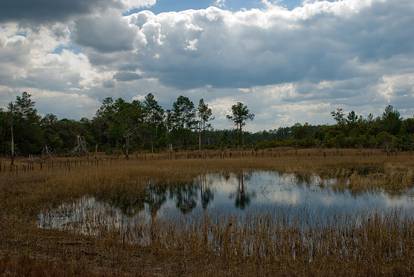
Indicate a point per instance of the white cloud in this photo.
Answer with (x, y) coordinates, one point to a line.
(130, 4)
(81, 105)
(286, 65)
(397, 87)
(219, 3)
(317, 42)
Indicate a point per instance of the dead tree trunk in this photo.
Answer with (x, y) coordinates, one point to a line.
(12, 136)
(127, 147)
(199, 140)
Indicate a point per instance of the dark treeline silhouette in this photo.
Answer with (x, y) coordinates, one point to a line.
(121, 126)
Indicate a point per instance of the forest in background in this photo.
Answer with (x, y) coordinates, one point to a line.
(120, 126)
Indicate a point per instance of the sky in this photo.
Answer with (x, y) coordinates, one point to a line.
(289, 60)
(233, 5)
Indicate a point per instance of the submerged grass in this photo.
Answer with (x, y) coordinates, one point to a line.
(262, 245)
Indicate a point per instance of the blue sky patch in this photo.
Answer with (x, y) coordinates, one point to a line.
(71, 47)
(233, 5)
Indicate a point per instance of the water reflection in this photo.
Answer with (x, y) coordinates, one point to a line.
(206, 193)
(155, 197)
(223, 194)
(242, 196)
(185, 196)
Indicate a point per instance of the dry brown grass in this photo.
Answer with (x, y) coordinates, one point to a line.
(26, 250)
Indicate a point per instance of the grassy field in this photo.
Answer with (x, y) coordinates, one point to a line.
(262, 246)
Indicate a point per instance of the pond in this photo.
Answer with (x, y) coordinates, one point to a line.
(307, 201)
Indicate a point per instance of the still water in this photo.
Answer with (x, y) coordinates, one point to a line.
(309, 201)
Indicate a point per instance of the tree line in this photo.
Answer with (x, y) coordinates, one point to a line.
(388, 131)
(118, 126)
(121, 127)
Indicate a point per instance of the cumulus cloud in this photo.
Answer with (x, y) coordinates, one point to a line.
(320, 41)
(131, 4)
(219, 3)
(286, 65)
(29, 62)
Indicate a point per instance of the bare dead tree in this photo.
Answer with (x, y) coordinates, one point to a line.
(80, 148)
(46, 152)
(12, 134)
(127, 136)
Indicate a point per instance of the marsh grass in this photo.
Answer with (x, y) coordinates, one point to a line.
(264, 237)
(261, 246)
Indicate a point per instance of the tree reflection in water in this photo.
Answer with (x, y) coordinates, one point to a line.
(185, 196)
(242, 196)
(155, 197)
(206, 193)
(129, 203)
